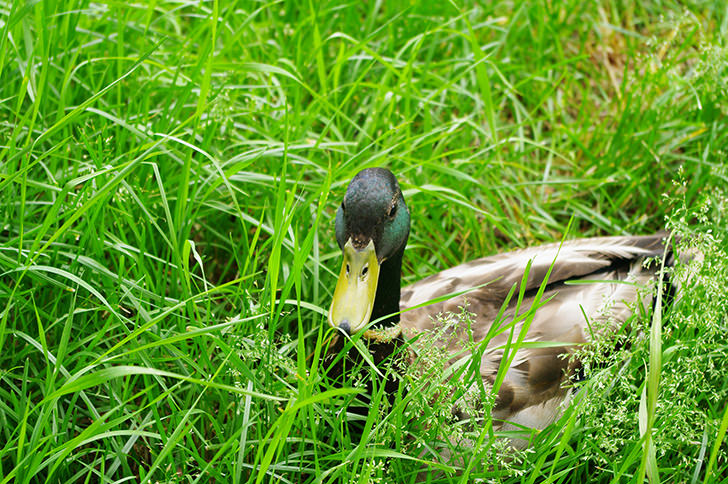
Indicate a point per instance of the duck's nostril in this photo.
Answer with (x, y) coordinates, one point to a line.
(345, 326)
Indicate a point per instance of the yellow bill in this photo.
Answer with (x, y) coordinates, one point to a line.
(356, 289)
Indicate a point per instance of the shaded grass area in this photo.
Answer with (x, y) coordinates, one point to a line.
(168, 177)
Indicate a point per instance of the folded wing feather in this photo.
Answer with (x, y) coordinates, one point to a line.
(566, 313)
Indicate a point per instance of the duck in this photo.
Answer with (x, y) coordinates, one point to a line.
(567, 290)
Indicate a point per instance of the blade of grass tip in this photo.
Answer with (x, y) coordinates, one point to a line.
(318, 49)
(43, 342)
(23, 430)
(701, 457)
(283, 217)
(65, 336)
(278, 230)
(252, 248)
(39, 89)
(302, 253)
(11, 19)
(648, 464)
(182, 264)
(208, 55)
(4, 318)
(483, 79)
(190, 246)
(643, 419)
(243, 435)
(39, 86)
(509, 348)
(716, 446)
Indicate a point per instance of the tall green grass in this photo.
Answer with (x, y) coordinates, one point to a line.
(169, 172)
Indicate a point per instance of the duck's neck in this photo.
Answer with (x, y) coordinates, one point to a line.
(386, 302)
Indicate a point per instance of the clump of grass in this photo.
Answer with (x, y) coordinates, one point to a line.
(442, 390)
(166, 166)
(692, 388)
(441, 414)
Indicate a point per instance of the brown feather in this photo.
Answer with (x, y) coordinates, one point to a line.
(533, 385)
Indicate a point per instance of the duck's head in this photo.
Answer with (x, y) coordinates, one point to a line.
(372, 226)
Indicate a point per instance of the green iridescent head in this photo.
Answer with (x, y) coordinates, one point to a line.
(372, 226)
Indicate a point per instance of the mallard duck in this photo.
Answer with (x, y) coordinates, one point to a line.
(372, 228)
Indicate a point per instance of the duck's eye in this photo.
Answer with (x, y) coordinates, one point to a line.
(364, 271)
(393, 210)
(343, 207)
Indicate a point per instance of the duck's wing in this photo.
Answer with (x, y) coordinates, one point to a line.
(575, 259)
(592, 282)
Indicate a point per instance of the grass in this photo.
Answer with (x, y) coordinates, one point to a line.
(168, 176)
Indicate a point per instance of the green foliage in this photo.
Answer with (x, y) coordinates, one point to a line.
(169, 173)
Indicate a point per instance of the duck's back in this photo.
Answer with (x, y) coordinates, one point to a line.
(593, 284)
